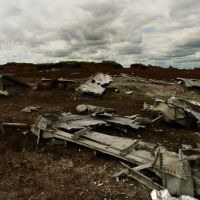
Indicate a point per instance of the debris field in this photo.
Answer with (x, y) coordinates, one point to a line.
(77, 130)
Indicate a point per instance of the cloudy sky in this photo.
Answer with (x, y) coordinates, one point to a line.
(159, 32)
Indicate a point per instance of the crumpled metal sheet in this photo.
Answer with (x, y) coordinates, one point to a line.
(102, 79)
(92, 88)
(190, 82)
(122, 121)
(4, 93)
(172, 168)
(94, 85)
(85, 108)
(165, 195)
(80, 124)
(178, 110)
(70, 121)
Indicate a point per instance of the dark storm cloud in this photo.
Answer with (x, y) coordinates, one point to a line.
(191, 43)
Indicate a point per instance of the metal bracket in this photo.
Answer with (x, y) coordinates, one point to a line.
(81, 133)
(130, 148)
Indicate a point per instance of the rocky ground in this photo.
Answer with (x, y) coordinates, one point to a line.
(49, 171)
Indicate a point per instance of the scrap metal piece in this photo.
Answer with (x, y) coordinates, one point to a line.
(82, 132)
(124, 122)
(8, 77)
(14, 124)
(138, 168)
(4, 93)
(66, 122)
(128, 149)
(189, 83)
(160, 82)
(102, 115)
(165, 195)
(84, 108)
(64, 80)
(181, 186)
(129, 92)
(80, 124)
(173, 164)
(30, 109)
(132, 116)
(147, 107)
(173, 168)
(141, 167)
(95, 84)
(170, 112)
(102, 79)
(141, 178)
(196, 179)
(178, 110)
(60, 83)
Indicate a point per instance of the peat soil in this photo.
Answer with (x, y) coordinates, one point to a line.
(58, 171)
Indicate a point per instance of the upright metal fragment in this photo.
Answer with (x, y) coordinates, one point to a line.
(95, 84)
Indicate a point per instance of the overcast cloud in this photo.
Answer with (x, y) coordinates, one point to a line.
(158, 32)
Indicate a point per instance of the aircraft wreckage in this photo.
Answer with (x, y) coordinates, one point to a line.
(60, 83)
(190, 83)
(8, 78)
(179, 173)
(176, 110)
(95, 84)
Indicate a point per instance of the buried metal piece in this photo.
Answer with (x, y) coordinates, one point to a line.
(14, 124)
(84, 109)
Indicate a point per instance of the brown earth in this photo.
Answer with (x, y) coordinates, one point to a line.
(49, 171)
